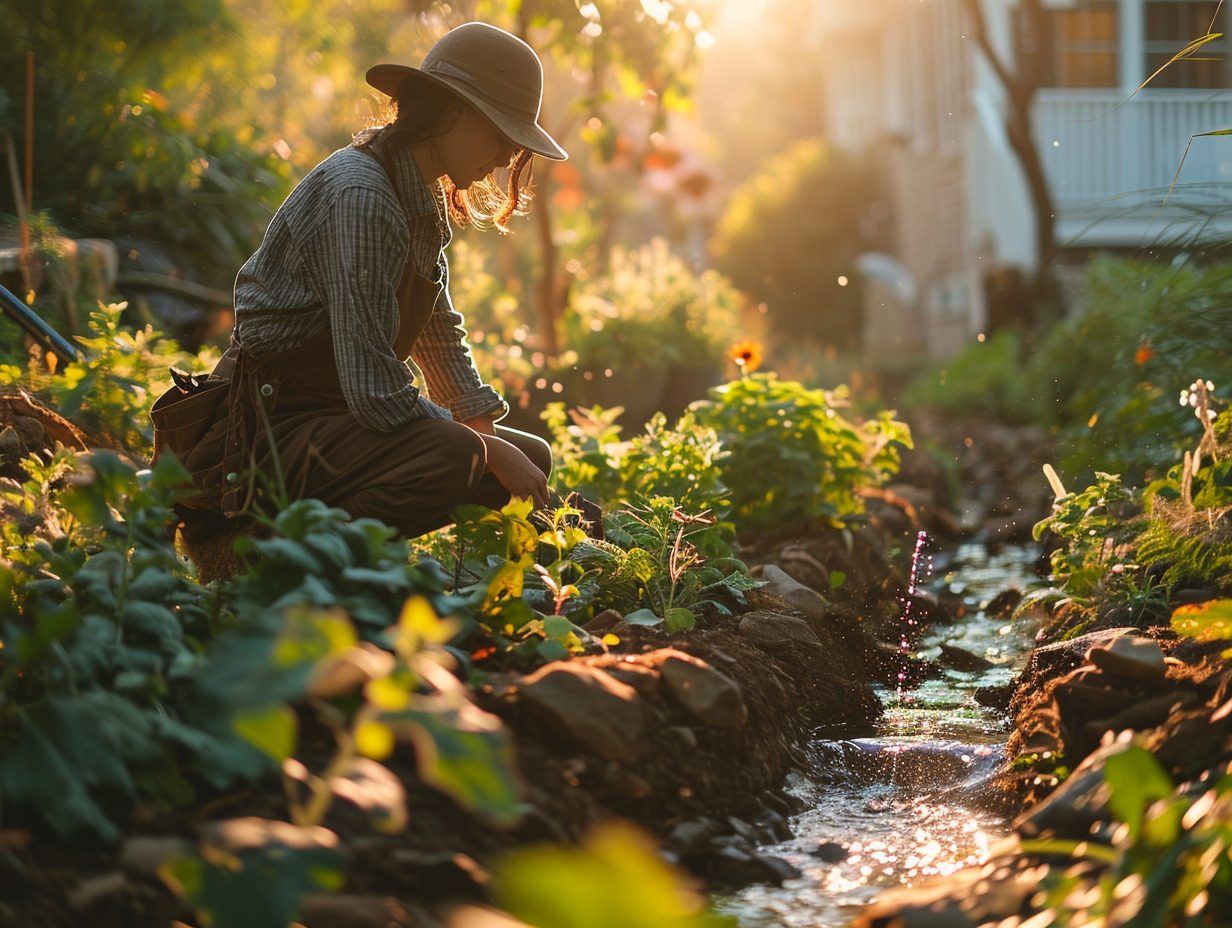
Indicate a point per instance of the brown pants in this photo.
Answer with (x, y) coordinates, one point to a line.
(411, 478)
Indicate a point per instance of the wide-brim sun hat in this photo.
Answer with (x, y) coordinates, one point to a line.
(494, 71)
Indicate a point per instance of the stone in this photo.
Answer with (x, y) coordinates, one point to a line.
(642, 678)
(627, 783)
(962, 660)
(95, 889)
(1131, 658)
(604, 621)
(10, 444)
(142, 855)
(596, 711)
(1054, 659)
(1084, 694)
(830, 852)
(709, 696)
(775, 824)
(683, 734)
(770, 626)
(738, 868)
(781, 586)
(688, 837)
(1079, 803)
(1004, 603)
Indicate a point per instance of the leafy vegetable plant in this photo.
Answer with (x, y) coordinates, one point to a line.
(791, 455)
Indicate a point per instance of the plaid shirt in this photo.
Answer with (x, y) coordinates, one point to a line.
(331, 259)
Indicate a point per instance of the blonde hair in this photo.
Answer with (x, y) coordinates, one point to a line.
(418, 114)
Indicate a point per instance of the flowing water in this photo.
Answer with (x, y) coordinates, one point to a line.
(890, 809)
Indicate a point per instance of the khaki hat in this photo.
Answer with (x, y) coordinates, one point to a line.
(493, 70)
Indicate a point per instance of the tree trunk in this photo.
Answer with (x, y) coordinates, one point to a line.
(1020, 85)
(547, 292)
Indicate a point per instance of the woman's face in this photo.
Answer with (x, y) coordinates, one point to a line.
(473, 148)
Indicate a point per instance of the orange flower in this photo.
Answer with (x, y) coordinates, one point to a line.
(747, 355)
(1144, 354)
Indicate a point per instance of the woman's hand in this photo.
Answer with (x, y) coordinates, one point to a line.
(515, 471)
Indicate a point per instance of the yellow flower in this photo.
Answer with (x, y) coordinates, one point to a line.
(747, 355)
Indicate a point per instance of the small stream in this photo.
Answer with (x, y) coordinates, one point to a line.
(887, 810)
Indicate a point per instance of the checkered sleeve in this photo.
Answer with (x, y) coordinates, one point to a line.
(444, 355)
(357, 255)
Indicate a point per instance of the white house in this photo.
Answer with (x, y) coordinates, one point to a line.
(907, 81)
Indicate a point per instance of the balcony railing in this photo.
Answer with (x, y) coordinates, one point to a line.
(1100, 149)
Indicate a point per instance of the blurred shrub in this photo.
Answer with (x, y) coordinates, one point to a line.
(985, 379)
(651, 311)
(1106, 379)
(126, 142)
(791, 231)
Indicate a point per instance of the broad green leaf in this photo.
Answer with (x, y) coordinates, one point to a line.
(257, 887)
(678, 620)
(271, 731)
(311, 634)
(552, 649)
(643, 617)
(556, 626)
(466, 754)
(35, 775)
(1135, 779)
(512, 615)
(615, 880)
(505, 584)
(419, 624)
(1208, 621)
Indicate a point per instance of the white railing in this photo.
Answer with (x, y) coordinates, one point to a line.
(1098, 146)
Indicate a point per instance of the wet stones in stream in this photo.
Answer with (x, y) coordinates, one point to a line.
(1079, 703)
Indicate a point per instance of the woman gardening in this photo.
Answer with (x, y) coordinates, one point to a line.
(350, 376)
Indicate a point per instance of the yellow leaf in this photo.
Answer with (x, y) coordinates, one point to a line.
(420, 623)
(387, 694)
(271, 731)
(372, 739)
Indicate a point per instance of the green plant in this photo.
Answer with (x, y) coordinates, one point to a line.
(616, 879)
(518, 577)
(122, 679)
(110, 389)
(1096, 532)
(412, 696)
(790, 235)
(986, 378)
(671, 563)
(1165, 864)
(682, 461)
(791, 455)
(585, 451)
(651, 311)
(321, 557)
(100, 629)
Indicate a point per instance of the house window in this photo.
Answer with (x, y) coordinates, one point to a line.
(1170, 26)
(1080, 49)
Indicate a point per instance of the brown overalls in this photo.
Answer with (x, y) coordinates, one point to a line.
(411, 478)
